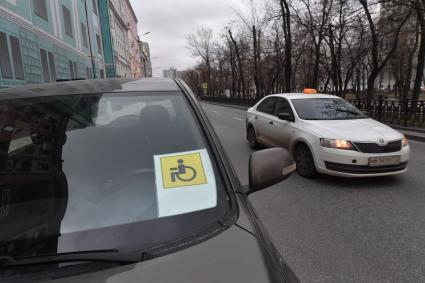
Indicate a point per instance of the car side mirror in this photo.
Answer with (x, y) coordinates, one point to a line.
(269, 167)
(286, 117)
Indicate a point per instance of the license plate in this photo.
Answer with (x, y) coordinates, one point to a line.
(384, 161)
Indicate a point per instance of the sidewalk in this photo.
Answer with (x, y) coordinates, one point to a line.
(415, 134)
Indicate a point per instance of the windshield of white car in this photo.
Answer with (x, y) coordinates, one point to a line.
(326, 109)
(131, 169)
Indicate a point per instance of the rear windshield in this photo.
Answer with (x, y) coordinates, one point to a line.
(326, 109)
(133, 166)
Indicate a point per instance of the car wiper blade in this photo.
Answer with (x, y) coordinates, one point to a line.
(113, 256)
(348, 111)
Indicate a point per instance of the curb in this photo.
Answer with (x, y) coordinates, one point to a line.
(398, 128)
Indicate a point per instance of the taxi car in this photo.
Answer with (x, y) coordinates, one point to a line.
(327, 135)
(125, 181)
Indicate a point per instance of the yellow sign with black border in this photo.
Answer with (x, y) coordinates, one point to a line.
(182, 170)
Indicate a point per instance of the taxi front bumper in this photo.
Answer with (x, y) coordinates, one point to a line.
(346, 163)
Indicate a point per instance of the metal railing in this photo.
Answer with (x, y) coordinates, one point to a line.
(387, 111)
(394, 111)
(239, 101)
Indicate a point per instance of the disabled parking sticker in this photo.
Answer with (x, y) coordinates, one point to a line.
(182, 170)
(185, 182)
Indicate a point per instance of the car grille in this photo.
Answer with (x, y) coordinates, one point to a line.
(376, 148)
(364, 169)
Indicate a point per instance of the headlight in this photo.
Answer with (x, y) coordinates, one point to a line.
(337, 144)
(405, 141)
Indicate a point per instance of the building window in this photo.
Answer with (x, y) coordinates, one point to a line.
(52, 67)
(40, 9)
(88, 72)
(102, 73)
(5, 67)
(71, 70)
(17, 58)
(76, 76)
(67, 21)
(94, 2)
(84, 35)
(99, 43)
(45, 65)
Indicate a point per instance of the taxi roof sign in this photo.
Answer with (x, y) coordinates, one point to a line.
(310, 91)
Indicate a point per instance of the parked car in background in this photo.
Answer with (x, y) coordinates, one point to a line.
(124, 181)
(327, 135)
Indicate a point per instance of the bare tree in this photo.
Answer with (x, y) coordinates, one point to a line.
(419, 6)
(201, 44)
(335, 45)
(315, 19)
(287, 31)
(233, 68)
(396, 21)
(256, 19)
(240, 63)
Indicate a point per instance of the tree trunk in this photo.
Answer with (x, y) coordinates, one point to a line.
(376, 65)
(256, 75)
(334, 69)
(286, 18)
(421, 62)
(240, 65)
(233, 68)
(208, 63)
(315, 81)
(260, 65)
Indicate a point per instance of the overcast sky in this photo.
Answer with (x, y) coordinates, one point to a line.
(170, 21)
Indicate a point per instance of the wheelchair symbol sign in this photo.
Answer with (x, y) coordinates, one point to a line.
(182, 171)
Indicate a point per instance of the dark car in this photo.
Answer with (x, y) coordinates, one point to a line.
(124, 181)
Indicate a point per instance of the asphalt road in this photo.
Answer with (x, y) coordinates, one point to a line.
(338, 230)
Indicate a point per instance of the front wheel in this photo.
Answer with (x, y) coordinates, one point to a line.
(252, 138)
(305, 161)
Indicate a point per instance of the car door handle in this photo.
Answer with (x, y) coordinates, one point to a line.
(271, 123)
(255, 117)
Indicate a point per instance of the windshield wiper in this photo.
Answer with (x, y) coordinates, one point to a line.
(348, 111)
(112, 256)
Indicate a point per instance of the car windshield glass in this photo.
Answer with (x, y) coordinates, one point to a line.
(132, 167)
(326, 109)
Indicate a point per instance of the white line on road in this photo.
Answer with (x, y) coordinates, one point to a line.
(239, 119)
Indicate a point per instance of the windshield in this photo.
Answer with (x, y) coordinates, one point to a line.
(326, 109)
(132, 167)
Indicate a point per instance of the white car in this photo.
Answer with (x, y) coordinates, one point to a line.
(327, 135)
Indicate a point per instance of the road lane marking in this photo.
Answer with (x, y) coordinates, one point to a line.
(239, 119)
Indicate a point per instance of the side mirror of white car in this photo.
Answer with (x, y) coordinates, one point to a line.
(286, 117)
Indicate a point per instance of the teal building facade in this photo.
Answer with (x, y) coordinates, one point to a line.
(104, 10)
(49, 40)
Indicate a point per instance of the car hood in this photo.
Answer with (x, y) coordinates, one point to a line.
(232, 256)
(367, 130)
